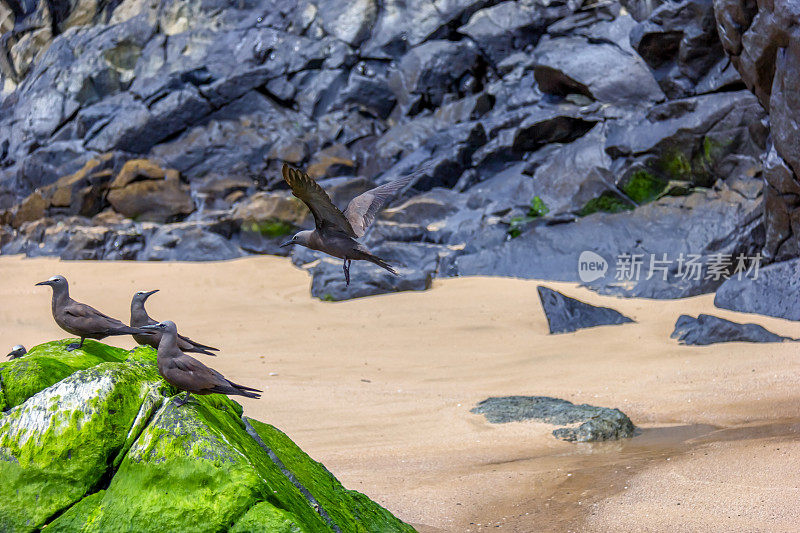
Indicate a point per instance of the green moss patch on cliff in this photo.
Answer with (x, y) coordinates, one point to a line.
(536, 210)
(269, 228)
(608, 202)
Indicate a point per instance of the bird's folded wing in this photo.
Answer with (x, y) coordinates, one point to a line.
(362, 210)
(90, 318)
(201, 375)
(317, 200)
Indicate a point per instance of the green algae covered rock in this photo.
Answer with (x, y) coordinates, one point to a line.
(264, 516)
(49, 363)
(103, 448)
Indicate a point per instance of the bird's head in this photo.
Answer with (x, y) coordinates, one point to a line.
(17, 351)
(142, 296)
(301, 237)
(56, 282)
(168, 326)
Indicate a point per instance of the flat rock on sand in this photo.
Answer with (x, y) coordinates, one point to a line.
(596, 423)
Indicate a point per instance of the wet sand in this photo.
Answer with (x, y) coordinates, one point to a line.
(379, 389)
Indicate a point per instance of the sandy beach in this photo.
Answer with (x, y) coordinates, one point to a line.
(380, 390)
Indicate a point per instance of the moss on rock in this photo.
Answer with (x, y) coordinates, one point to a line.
(49, 363)
(60, 443)
(342, 505)
(269, 228)
(643, 187)
(103, 449)
(78, 516)
(608, 202)
(264, 516)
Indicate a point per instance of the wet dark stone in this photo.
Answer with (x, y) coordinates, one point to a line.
(589, 423)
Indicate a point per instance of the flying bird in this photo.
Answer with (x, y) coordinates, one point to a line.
(187, 373)
(139, 318)
(17, 352)
(80, 319)
(336, 231)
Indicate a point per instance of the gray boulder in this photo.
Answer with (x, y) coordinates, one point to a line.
(679, 42)
(501, 29)
(429, 71)
(598, 70)
(774, 291)
(731, 225)
(188, 241)
(415, 263)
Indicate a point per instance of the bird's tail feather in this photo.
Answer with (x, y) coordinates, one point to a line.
(204, 347)
(244, 387)
(239, 390)
(196, 349)
(381, 263)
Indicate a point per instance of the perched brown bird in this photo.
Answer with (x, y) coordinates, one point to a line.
(139, 318)
(336, 231)
(187, 373)
(17, 352)
(80, 319)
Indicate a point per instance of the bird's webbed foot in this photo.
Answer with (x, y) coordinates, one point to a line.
(74, 345)
(184, 400)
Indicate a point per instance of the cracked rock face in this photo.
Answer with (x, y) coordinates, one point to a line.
(141, 131)
(761, 40)
(90, 441)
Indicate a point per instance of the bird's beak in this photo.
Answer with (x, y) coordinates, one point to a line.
(148, 294)
(151, 327)
(43, 283)
(287, 243)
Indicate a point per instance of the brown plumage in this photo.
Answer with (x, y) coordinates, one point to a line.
(336, 231)
(17, 352)
(82, 320)
(139, 318)
(187, 373)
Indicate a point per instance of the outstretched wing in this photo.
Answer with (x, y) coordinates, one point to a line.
(319, 203)
(362, 210)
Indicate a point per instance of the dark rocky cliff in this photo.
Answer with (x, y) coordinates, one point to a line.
(155, 131)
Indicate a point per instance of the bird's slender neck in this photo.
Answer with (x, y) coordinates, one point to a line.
(139, 313)
(168, 344)
(315, 240)
(60, 297)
